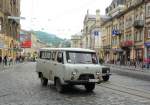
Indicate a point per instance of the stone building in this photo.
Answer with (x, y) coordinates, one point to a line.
(76, 41)
(9, 27)
(127, 30)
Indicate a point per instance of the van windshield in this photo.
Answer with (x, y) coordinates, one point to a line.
(81, 57)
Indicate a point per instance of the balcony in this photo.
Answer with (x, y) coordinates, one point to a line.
(127, 43)
(138, 23)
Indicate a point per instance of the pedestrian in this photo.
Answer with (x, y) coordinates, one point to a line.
(134, 62)
(128, 61)
(5, 60)
(10, 60)
(1, 59)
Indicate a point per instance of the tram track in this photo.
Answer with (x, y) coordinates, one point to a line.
(128, 90)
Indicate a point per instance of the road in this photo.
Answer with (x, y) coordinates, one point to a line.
(20, 85)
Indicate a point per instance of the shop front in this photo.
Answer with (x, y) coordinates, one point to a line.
(147, 54)
(127, 55)
(139, 54)
(106, 50)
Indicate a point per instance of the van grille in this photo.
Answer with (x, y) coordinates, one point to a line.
(86, 76)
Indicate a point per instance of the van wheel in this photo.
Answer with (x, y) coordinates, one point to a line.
(90, 87)
(44, 81)
(59, 86)
(105, 78)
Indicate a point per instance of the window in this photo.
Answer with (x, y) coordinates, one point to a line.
(148, 11)
(148, 33)
(74, 57)
(53, 55)
(0, 25)
(45, 55)
(60, 57)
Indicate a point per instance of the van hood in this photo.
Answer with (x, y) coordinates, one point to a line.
(82, 68)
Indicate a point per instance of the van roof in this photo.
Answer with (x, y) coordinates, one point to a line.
(67, 49)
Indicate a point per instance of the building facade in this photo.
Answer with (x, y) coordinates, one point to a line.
(89, 21)
(9, 27)
(76, 41)
(91, 34)
(128, 31)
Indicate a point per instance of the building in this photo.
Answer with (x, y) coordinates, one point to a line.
(9, 27)
(126, 30)
(30, 44)
(147, 32)
(91, 34)
(89, 22)
(76, 41)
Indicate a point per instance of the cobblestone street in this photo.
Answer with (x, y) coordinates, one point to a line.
(20, 85)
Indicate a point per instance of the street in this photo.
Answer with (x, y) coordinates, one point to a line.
(20, 85)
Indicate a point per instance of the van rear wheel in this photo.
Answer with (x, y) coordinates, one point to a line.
(59, 86)
(44, 81)
(90, 87)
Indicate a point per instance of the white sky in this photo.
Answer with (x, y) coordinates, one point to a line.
(61, 17)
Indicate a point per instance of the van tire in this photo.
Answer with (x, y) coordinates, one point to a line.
(44, 81)
(105, 78)
(59, 86)
(89, 87)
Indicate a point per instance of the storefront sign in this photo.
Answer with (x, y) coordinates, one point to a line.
(127, 43)
(147, 43)
(115, 32)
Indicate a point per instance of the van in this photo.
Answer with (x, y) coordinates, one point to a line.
(70, 66)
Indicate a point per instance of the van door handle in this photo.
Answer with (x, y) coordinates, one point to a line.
(44, 62)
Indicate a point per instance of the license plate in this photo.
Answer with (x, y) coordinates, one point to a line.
(93, 80)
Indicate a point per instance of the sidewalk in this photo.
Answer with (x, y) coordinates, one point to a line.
(130, 71)
(128, 67)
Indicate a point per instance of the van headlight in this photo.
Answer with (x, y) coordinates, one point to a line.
(97, 73)
(74, 73)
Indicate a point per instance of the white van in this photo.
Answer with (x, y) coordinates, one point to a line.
(70, 66)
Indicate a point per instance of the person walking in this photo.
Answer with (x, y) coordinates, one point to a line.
(5, 60)
(134, 62)
(1, 64)
(10, 61)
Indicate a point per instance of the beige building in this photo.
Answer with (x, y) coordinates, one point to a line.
(126, 30)
(76, 41)
(89, 22)
(9, 27)
(35, 46)
(91, 34)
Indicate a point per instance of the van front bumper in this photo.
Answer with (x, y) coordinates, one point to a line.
(82, 82)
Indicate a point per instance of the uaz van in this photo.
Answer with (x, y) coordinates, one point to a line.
(70, 66)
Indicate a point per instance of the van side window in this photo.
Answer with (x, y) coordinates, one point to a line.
(53, 55)
(45, 55)
(60, 57)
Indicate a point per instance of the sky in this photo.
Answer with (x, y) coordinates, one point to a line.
(60, 17)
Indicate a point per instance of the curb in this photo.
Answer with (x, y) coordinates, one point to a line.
(143, 75)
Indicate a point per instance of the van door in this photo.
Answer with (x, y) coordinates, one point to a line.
(50, 65)
(59, 65)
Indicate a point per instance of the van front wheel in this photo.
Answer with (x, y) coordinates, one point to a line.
(105, 78)
(90, 87)
(59, 86)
